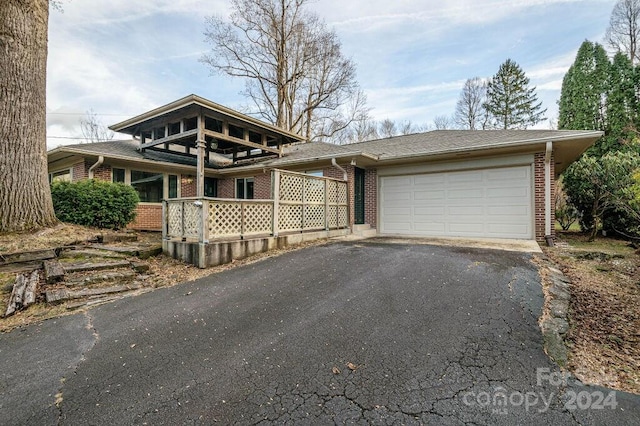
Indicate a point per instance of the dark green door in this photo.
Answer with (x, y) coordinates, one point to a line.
(358, 196)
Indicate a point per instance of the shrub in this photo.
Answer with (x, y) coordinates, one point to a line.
(94, 203)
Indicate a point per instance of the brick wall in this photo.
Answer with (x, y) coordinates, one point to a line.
(103, 172)
(539, 196)
(188, 186)
(371, 197)
(262, 186)
(148, 218)
(80, 171)
(226, 188)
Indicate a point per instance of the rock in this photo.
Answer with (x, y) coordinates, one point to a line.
(140, 267)
(53, 271)
(559, 293)
(559, 325)
(559, 308)
(554, 344)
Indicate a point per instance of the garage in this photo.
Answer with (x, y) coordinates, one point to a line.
(490, 203)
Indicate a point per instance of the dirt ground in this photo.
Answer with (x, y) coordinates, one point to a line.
(163, 271)
(604, 334)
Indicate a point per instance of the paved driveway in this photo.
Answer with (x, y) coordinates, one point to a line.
(436, 335)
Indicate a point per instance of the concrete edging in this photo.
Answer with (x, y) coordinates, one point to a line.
(215, 253)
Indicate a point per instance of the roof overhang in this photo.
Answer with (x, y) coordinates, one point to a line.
(132, 125)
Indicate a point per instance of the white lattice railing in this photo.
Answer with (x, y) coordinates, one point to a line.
(300, 203)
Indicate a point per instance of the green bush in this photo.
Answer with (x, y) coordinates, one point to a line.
(94, 203)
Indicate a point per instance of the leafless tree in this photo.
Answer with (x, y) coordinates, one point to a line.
(25, 197)
(470, 112)
(623, 32)
(387, 128)
(295, 73)
(443, 122)
(93, 130)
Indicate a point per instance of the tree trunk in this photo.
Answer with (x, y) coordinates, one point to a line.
(25, 196)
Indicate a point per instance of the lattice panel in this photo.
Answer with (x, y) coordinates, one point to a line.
(174, 211)
(225, 219)
(314, 216)
(192, 220)
(342, 192)
(333, 217)
(314, 190)
(291, 187)
(343, 217)
(332, 188)
(290, 217)
(258, 218)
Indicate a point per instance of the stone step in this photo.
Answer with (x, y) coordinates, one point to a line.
(62, 294)
(360, 227)
(140, 251)
(94, 266)
(369, 233)
(91, 252)
(91, 278)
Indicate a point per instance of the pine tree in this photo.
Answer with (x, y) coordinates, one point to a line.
(582, 99)
(510, 101)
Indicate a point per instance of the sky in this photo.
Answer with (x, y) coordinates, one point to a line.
(120, 58)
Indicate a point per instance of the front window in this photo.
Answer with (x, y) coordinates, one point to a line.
(210, 187)
(60, 176)
(117, 175)
(244, 188)
(149, 185)
(173, 186)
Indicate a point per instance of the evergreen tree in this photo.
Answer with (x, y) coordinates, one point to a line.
(510, 101)
(622, 106)
(584, 88)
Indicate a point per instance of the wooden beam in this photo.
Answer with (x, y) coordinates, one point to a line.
(171, 138)
(240, 141)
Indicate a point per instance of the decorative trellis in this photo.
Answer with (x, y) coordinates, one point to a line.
(301, 203)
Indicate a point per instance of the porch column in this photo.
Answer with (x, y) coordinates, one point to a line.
(200, 144)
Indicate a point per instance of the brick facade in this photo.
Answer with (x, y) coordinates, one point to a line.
(188, 186)
(148, 218)
(79, 171)
(371, 197)
(539, 213)
(226, 188)
(262, 186)
(102, 172)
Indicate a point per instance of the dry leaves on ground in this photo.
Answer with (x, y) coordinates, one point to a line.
(604, 314)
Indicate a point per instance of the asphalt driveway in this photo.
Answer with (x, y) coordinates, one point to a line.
(352, 332)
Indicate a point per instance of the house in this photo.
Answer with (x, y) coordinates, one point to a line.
(448, 183)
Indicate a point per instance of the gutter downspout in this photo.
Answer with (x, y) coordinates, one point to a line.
(345, 176)
(95, 166)
(547, 194)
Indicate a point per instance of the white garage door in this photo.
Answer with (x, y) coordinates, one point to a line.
(492, 203)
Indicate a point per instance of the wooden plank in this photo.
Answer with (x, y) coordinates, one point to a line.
(79, 267)
(168, 139)
(53, 271)
(60, 294)
(240, 141)
(30, 289)
(27, 256)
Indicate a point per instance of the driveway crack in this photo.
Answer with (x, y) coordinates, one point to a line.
(59, 396)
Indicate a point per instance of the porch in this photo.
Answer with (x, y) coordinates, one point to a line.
(211, 231)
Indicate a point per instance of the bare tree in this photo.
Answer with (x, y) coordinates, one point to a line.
(470, 112)
(294, 70)
(387, 128)
(443, 122)
(25, 197)
(623, 32)
(93, 130)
